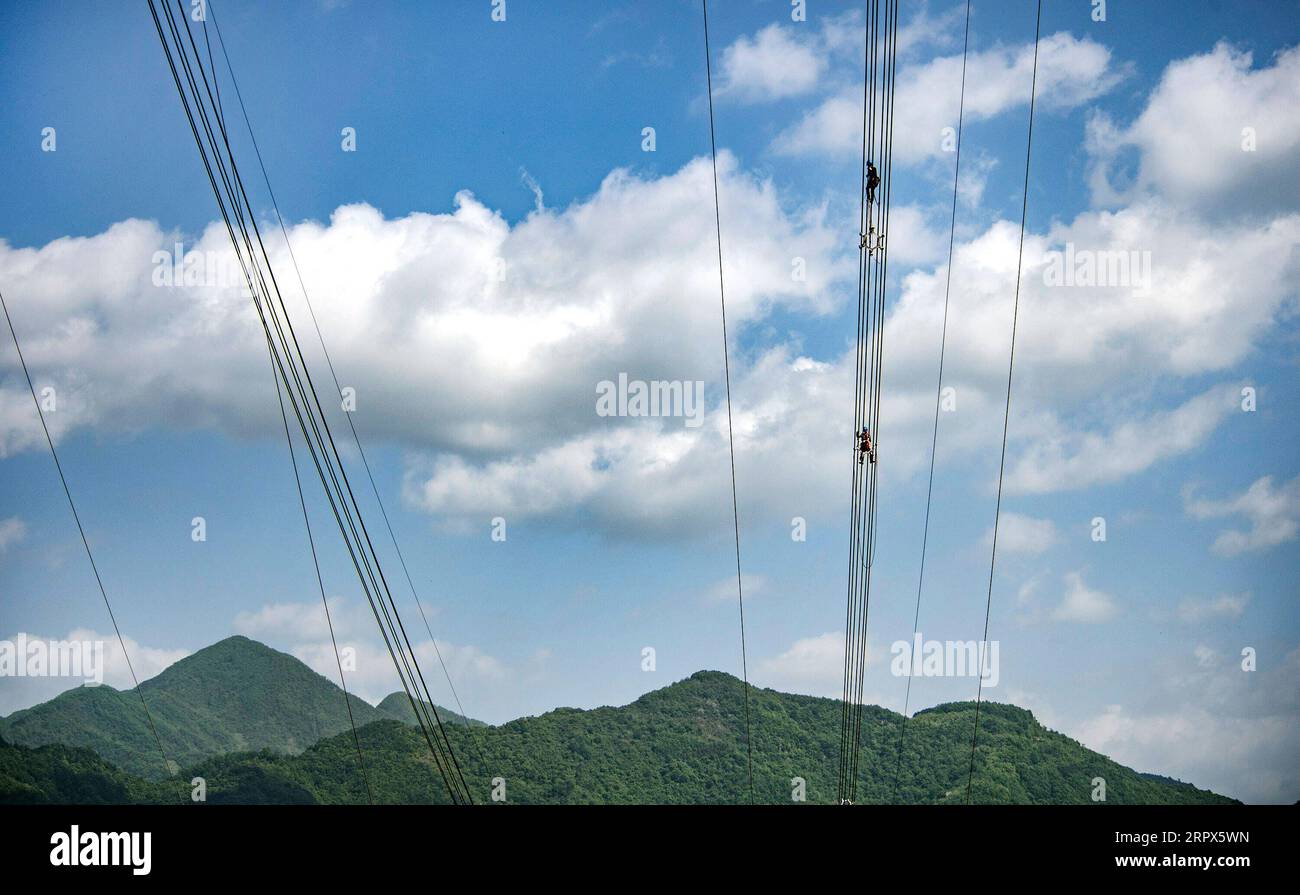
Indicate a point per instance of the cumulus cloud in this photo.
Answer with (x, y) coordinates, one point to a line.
(724, 591)
(1200, 308)
(1083, 604)
(1240, 119)
(148, 661)
(296, 620)
(925, 29)
(12, 531)
(374, 677)
(1272, 510)
(913, 240)
(783, 61)
(477, 344)
(444, 353)
(1071, 72)
(773, 64)
(1084, 412)
(1080, 459)
(974, 178)
(501, 436)
(1023, 534)
(1224, 606)
(1213, 723)
(812, 665)
(301, 630)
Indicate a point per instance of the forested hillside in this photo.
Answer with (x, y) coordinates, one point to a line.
(683, 744)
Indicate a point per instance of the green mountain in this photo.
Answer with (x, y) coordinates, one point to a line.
(682, 744)
(398, 707)
(234, 696)
(65, 774)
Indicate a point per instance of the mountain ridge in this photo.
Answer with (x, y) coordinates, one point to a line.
(681, 743)
(235, 695)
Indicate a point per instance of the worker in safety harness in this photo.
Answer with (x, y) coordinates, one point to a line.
(865, 447)
(873, 181)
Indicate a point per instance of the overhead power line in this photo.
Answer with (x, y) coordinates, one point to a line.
(329, 361)
(94, 567)
(731, 439)
(938, 395)
(320, 581)
(297, 480)
(217, 156)
(875, 190)
(1006, 413)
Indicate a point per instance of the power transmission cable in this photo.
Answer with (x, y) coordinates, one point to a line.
(888, 79)
(387, 617)
(1006, 413)
(94, 567)
(402, 655)
(731, 441)
(309, 412)
(938, 394)
(850, 618)
(329, 620)
(337, 385)
(879, 79)
(407, 662)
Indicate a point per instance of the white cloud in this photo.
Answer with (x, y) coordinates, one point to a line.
(1026, 594)
(1214, 724)
(974, 178)
(925, 30)
(1272, 510)
(1083, 604)
(724, 591)
(1076, 460)
(1208, 101)
(912, 240)
(1023, 534)
(665, 479)
(1083, 410)
(301, 630)
(1071, 72)
(443, 355)
(1224, 606)
(148, 661)
(491, 385)
(834, 127)
(779, 62)
(812, 665)
(775, 63)
(374, 677)
(12, 531)
(511, 428)
(295, 620)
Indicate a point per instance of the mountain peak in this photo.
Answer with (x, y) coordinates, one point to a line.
(713, 677)
(234, 646)
(685, 742)
(398, 707)
(235, 695)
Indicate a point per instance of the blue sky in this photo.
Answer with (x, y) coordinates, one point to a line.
(479, 140)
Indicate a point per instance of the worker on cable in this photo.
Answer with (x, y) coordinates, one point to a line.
(873, 181)
(865, 447)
